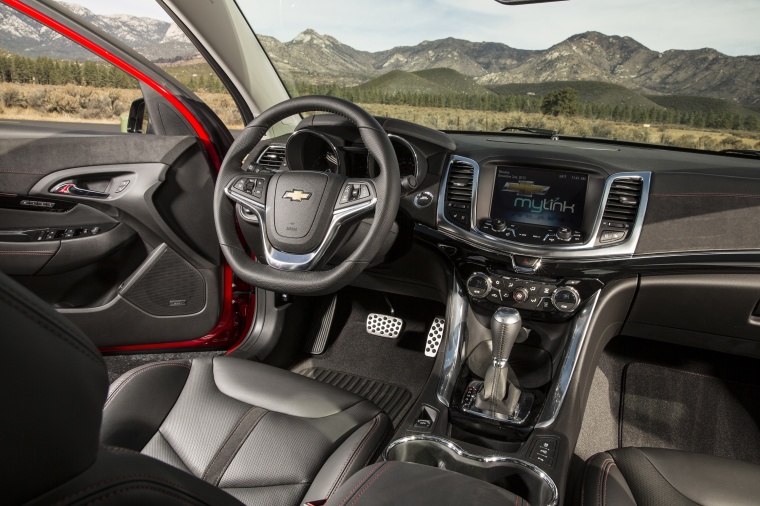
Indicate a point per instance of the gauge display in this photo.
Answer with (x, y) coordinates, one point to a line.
(309, 150)
(407, 160)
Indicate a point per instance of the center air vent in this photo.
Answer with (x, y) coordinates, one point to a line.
(621, 209)
(459, 186)
(273, 156)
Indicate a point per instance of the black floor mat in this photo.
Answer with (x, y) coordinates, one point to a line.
(397, 368)
(392, 399)
(669, 408)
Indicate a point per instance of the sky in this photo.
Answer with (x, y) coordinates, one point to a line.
(730, 26)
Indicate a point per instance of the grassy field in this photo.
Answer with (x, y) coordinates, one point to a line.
(461, 119)
(89, 105)
(104, 105)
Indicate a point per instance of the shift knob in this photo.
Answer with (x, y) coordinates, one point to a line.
(506, 324)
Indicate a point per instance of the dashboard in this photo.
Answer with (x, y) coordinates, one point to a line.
(542, 224)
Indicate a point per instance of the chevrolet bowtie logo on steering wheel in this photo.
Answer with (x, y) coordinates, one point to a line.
(297, 195)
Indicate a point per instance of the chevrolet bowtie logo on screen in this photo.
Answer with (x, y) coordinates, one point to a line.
(526, 188)
(297, 195)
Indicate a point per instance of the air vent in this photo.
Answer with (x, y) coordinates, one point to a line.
(621, 209)
(459, 192)
(273, 156)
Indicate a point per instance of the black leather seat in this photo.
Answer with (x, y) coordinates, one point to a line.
(264, 435)
(655, 476)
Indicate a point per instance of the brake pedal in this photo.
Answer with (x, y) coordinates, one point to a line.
(434, 337)
(384, 326)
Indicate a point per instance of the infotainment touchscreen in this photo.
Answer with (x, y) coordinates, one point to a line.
(539, 197)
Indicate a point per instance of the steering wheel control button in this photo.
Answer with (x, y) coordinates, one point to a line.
(566, 299)
(423, 199)
(478, 285)
(354, 192)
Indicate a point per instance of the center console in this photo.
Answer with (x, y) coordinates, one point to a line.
(519, 314)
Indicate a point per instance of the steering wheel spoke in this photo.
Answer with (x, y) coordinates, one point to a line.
(356, 197)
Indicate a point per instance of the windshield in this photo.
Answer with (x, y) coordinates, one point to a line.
(680, 72)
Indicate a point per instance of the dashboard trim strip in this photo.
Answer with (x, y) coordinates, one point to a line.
(456, 329)
(503, 246)
(578, 335)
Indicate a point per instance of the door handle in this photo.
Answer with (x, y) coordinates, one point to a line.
(72, 189)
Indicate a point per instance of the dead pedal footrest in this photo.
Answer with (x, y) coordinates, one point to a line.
(384, 325)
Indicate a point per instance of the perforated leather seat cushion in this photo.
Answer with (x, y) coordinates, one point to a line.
(264, 435)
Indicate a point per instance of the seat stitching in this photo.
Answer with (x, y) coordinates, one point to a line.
(583, 489)
(135, 373)
(360, 482)
(599, 482)
(661, 475)
(379, 443)
(607, 475)
(369, 484)
(352, 456)
(175, 451)
(583, 481)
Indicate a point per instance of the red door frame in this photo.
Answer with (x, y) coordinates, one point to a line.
(226, 334)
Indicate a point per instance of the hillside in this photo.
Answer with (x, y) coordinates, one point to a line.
(702, 105)
(398, 81)
(595, 92)
(453, 81)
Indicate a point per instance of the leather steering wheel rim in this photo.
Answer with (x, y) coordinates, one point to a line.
(387, 191)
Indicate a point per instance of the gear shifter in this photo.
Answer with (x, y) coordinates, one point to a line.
(498, 396)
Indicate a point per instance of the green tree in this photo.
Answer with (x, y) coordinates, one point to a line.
(561, 102)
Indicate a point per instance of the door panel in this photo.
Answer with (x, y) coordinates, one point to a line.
(138, 262)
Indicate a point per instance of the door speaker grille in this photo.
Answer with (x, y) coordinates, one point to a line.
(170, 287)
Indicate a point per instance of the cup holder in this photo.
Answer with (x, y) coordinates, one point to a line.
(516, 475)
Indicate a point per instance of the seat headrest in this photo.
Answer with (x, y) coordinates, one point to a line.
(54, 384)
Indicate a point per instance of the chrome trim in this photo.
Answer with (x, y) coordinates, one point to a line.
(569, 362)
(321, 136)
(569, 289)
(504, 246)
(417, 197)
(480, 458)
(525, 270)
(507, 316)
(456, 330)
(414, 154)
(488, 285)
(500, 363)
(298, 262)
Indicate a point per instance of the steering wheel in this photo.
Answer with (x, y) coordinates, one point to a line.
(301, 212)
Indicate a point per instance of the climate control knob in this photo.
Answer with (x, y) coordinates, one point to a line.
(478, 285)
(566, 299)
(520, 294)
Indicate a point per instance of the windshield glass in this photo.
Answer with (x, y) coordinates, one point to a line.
(681, 72)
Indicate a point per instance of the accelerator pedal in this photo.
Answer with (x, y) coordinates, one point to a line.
(384, 325)
(434, 337)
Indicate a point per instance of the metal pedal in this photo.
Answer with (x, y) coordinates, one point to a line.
(384, 325)
(434, 337)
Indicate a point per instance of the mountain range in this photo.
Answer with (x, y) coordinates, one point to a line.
(323, 59)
